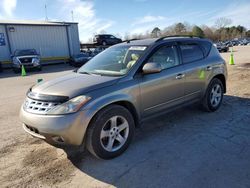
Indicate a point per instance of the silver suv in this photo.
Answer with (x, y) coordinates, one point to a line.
(28, 58)
(101, 103)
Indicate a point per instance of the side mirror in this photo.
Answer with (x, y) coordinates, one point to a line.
(75, 70)
(150, 68)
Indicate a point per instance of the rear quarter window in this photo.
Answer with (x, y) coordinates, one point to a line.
(206, 45)
(191, 52)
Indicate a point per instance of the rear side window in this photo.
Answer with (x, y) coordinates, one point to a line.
(206, 46)
(191, 52)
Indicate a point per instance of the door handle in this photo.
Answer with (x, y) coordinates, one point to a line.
(208, 68)
(180, 76)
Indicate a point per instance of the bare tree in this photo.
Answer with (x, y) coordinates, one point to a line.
(103, 32)
(222, 22)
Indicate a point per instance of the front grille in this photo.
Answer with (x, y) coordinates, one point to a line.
(25, 60)
(38, 107)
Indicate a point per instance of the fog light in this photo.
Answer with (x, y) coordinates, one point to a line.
(58, 139)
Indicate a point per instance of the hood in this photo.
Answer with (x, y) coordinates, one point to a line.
(73, 84)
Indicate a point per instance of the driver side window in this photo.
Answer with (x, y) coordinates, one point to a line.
(166, 56)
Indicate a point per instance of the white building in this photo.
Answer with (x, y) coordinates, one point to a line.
(54, 41)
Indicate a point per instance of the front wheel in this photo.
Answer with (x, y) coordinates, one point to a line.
(16, 70)
(214, 95)
(110, 132)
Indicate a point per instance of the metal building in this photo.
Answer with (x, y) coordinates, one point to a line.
(54, 41)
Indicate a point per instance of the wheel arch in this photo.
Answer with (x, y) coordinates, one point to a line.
(222, 78)
(124, 103)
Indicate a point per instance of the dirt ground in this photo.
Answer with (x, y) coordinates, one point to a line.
(186, 148)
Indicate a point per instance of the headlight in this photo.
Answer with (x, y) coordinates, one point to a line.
(16, 61)
(71, 106)
(36, 60)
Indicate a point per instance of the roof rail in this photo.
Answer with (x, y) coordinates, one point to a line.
(128, 41)
(170, 36)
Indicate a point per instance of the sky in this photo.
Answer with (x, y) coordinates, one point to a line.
(127, 16)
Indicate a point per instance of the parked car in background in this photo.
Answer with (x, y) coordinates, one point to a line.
(101, 103)
(105, 39)
(79, 59)
(228, 43)
(221, 47)
(29, 58)
(243, 42)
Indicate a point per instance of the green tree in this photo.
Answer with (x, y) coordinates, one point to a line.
(197, 31)
(248, 33)
(180, 28)
(156, 32)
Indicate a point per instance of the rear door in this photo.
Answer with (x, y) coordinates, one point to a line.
(195, 69)
(165, 89)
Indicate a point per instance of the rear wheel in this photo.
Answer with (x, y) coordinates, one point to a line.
(110, 132)
(39, 68)
(214, 95)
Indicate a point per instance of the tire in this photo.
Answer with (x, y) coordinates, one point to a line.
(102, 131)
(214, 96)
(39, 68)
(16, 71)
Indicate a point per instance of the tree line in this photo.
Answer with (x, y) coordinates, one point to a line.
(221, 31)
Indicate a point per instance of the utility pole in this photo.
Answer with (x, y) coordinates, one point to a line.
(46, 15)
(72, 15)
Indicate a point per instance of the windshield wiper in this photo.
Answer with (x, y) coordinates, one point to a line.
(90, 73)
(84, 72)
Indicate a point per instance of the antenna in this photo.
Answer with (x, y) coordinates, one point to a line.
(46, 16)
(72, 15)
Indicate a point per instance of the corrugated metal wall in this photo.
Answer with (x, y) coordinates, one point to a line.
(74, 39)
(49, 41)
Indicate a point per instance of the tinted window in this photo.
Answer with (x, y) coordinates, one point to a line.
(191, 52)
(206, 46)
(166, 56)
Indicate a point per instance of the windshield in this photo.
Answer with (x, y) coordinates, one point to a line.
(25, 52)
(115, 61)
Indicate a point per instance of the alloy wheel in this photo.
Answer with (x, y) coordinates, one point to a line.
(114, 133)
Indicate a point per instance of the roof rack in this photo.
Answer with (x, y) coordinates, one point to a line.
(128, 41)
(170, 36)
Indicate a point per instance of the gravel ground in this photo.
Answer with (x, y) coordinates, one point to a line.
(186, 148)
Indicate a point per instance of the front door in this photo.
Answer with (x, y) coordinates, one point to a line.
(165, 89)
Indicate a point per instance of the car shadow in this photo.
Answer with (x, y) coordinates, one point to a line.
(45, 70)
(172, 149)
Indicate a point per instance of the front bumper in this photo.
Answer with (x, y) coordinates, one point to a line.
(57, 129)
(26, 66)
